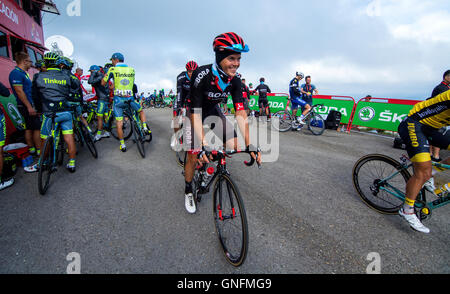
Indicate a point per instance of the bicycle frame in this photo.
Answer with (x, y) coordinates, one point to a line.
(422, 202)
(134, 115)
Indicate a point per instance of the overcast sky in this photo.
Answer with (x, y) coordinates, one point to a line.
(385, 48)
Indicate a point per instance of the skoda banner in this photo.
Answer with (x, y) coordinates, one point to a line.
(385, 116)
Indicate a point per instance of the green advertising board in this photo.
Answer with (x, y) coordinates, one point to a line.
(344, 106)
(10, 106)
(385, 116)
(277, 103)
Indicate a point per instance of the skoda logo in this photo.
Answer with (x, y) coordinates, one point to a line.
(125, 82)
(366, 114)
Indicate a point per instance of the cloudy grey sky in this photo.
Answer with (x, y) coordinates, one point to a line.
(385, 48)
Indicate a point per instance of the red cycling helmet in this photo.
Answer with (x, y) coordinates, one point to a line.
(191, 65)
(230, 41)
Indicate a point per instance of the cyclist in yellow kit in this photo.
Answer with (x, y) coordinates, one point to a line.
(420, 129)
(123, 77)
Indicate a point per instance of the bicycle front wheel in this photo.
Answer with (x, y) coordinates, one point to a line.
(45, 165)
(285, 121)
(316, 124)
(381, 182)
(230, 220)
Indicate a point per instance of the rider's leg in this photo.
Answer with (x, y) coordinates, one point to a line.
(307, 110)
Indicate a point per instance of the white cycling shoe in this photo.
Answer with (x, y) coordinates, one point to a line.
(413, 221)
(429, 185)
(189, 202)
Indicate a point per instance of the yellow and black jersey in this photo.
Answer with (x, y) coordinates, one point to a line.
(434, 112)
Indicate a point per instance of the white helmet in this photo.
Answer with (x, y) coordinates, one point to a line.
(299, 73)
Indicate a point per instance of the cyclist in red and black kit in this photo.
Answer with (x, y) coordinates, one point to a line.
(183, 87)
(211, 85)
(262, 90)
(246, 95)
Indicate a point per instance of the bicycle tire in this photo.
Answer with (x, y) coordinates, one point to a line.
(368, 189)
(87, 138)
(138, 139)
(225, 214)
(60, 151)
(180, 155)
(126, 128)
(45, 166)
(316, 124)
(285, 121)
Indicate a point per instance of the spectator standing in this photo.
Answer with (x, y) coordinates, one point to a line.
(307, 90)
(21, 86)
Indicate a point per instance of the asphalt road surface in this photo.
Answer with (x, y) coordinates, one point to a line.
(125, 214)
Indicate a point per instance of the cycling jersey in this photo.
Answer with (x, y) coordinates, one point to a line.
(52, 90)
(211, 86)
(263, 89)
(294, 88)
(441, 88)
(183, 87)
(123, 77)
(434, 112)
(421, 127)
(245, 91)
(77, 93)
(95, 80)
(124, 88)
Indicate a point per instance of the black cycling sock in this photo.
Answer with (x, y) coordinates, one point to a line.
(188, 188)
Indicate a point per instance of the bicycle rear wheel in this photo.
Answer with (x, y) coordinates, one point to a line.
(126, 128)
(369, 174)
(45, 165)
(285, 120)
(230, 220)
(316, 124)
(60, 150)
(138, 138)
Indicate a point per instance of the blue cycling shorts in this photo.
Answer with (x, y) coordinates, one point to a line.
(120, 105)
(102, 107)
(298, 102)
(62, 120)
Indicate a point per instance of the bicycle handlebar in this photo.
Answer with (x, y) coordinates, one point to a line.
(229, 153)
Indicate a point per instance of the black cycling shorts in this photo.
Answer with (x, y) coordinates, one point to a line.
(417, 137)
(32, 123)
(263, 103)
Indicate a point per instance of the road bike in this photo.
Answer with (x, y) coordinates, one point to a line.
(81, 133)
(286, 121)
(109, 124)
(52, 155)
(229, 214)
(381, 183)
(139, 135)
